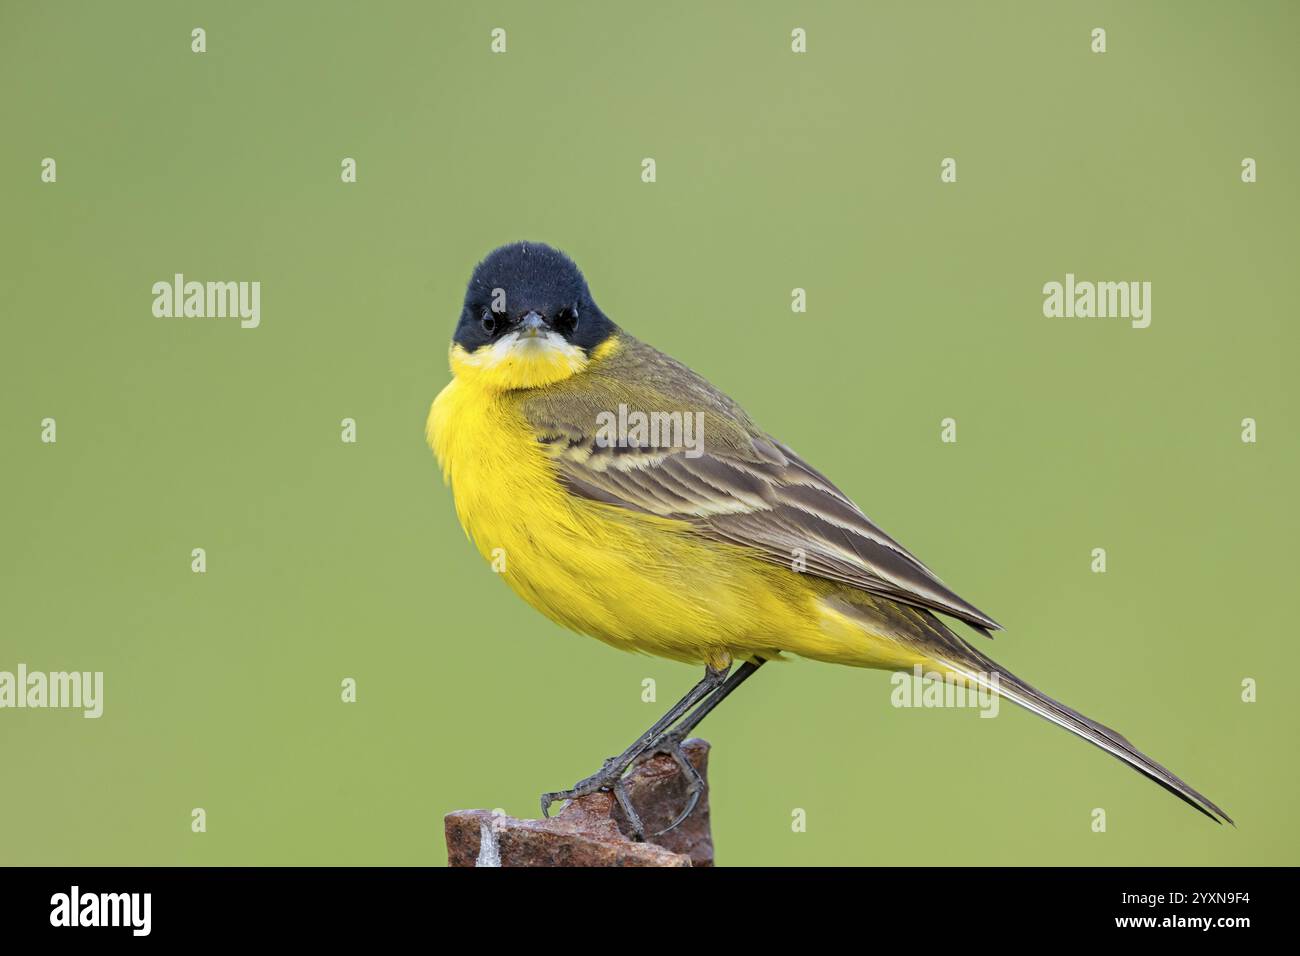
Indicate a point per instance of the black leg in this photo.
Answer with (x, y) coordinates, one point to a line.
(610, 775)
(670, 741)
(743, 672)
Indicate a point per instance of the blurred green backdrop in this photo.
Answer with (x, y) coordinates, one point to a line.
(775, 171)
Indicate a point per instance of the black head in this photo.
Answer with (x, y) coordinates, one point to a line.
(528, 284)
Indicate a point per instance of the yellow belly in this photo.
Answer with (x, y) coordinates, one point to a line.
(635, 581)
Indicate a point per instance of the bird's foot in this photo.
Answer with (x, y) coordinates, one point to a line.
(670, 744)
(608, 777)
(658, 740)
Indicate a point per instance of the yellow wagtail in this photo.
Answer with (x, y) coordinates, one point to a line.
(636, 503)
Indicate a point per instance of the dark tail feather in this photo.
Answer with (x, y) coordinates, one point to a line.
(1017, 691)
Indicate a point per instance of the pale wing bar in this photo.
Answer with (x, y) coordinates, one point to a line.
(771, 502)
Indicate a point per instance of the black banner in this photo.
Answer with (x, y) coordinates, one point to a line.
(209, 905)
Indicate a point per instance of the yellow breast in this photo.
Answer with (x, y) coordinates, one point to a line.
(636, 581)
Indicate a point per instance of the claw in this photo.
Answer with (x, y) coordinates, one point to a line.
(659, 739)
(681, 818)
(633, 818)
(606, 778)
(672, 747)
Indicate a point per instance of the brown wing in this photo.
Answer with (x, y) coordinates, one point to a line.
(738, 485)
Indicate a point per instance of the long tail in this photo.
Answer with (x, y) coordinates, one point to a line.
(981, 668)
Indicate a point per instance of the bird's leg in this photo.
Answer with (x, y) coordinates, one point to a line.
(610, 775)
(670, 741)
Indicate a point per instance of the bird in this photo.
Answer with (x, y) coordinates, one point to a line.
(713, 545)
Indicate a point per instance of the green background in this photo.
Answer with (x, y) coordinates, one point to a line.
(775, 171)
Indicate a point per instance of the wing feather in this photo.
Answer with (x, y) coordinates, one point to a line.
(742, 486)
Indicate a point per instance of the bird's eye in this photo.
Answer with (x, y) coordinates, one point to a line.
(489, 322)
(566, 320)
